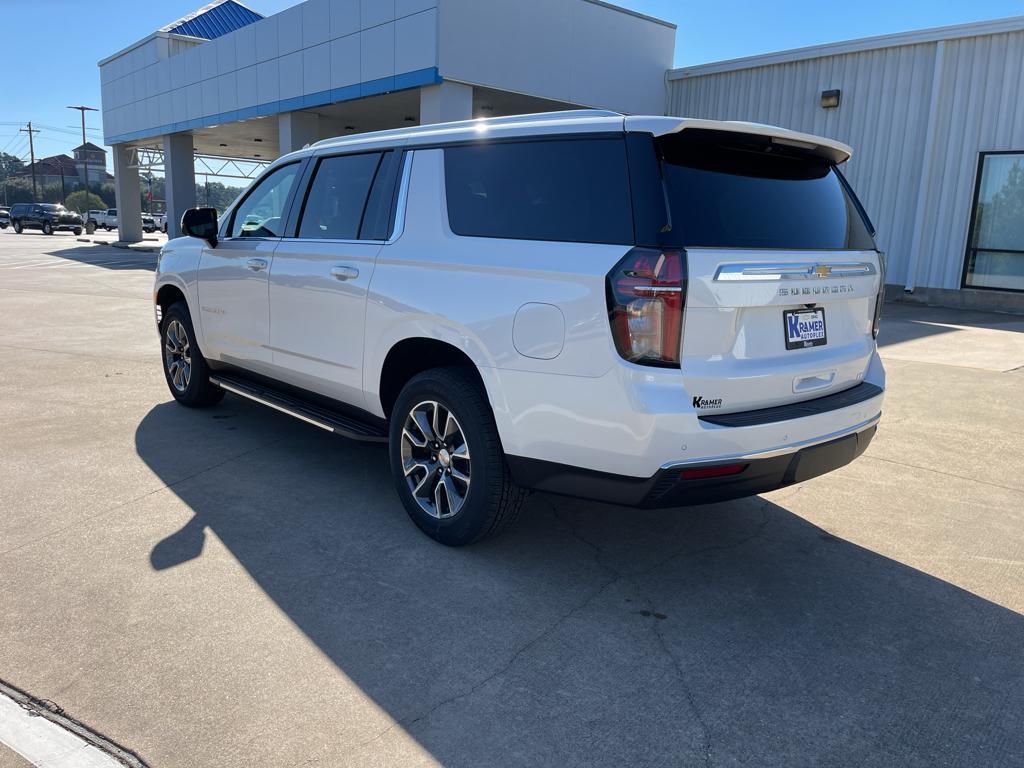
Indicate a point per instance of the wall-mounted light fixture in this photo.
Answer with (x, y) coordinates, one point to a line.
(830, 99)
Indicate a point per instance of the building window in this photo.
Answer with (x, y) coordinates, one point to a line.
(995, 248)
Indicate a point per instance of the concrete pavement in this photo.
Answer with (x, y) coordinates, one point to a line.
(232, 587)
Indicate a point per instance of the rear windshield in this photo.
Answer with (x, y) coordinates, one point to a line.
(730, 190)
(572, 190)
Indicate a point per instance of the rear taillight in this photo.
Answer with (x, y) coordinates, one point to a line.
(646, 296)
(880, 298)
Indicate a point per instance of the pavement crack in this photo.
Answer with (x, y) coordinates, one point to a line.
(613, 577)
(945, 474)
(516, 655)
(681, 676)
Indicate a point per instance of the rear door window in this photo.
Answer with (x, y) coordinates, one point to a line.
(572, 190)
(733, 190)
(337, 197)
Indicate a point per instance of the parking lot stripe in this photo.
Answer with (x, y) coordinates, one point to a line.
(50, 739)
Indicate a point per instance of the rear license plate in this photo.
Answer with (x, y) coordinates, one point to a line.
(804, 327)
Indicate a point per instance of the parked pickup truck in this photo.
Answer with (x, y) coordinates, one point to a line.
(106, 219)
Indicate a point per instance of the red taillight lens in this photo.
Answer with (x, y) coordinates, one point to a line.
(646, 296)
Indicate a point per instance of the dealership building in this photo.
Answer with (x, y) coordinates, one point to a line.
(934, 116)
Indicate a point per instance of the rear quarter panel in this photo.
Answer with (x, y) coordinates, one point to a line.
(465, 291)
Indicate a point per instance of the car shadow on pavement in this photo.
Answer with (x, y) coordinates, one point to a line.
(107, 257)
(593, 635)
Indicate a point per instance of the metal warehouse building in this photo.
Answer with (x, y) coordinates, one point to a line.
(935, 117)
(936, 120)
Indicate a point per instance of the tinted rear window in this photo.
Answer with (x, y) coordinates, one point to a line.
(337, 197)
(573, 190)
(740, 191)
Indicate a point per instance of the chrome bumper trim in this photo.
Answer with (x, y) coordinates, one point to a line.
(780, 450)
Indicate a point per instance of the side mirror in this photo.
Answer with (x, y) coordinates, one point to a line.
(201, 223)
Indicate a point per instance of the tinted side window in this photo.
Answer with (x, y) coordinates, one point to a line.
(573, 190)
(337, 197)
(381, 204)
(742, 191)
(262, 213)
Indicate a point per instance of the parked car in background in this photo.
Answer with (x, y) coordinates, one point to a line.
(148, 223)
(48, 217)
(104, 219)
(647, 311)
(161, 221)
(5, 217)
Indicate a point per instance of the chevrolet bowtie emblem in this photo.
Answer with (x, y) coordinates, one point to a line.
(821, 270)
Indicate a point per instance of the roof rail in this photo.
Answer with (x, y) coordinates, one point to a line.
(533, 117)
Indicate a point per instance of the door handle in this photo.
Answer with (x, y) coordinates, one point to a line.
(344, 273)
(256, 264)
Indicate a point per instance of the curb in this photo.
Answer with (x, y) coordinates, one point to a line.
(56, 715)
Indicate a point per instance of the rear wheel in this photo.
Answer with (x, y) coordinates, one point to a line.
(446, 458)
(185, 368)
(90, 227)
(47, 228)
(77, 231)
(17, 228)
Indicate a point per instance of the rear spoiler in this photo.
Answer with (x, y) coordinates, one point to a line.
(832, 150)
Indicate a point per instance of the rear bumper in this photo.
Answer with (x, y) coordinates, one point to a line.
(671, 487)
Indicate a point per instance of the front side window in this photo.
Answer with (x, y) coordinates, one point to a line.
(262, 213)
(570, 190)
(337, 197)
(995, 250)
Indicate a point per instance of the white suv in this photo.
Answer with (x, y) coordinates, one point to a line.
(649, 311)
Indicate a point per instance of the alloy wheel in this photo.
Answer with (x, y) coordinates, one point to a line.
(177, 355)
(435, 459)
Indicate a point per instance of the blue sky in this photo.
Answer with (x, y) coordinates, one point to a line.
(43, 43)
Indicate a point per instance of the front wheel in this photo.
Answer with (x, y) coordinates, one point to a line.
(17, 228)
(185, 368)
(47, 228)
(446, 459)
(77, 231)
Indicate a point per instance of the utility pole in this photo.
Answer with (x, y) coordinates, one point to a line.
(32, 154)
(85, 152)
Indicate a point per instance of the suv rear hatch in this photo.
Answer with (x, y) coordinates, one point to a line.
(782, 279)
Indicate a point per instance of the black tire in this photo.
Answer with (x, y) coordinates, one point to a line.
(165, 228)
(106, 227)
(47, 228)
(198, 392)
(90, 227)
(17, 228)
(77, 231)
(492, 501)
